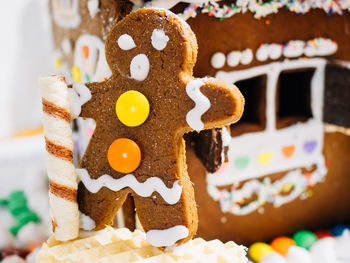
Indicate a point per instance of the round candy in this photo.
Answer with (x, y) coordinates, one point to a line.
(132, 108)
(338, 230)
(323, 233)
(282, 244)
(304, 238)
(124, 155)
(259, 250)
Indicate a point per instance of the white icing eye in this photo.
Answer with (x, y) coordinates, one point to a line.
(125, 42)
(159, 39)
(139, 67)
(218, 60)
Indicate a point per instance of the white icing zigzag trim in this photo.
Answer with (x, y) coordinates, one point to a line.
(166, 237)
(152, 184)
(193, 117)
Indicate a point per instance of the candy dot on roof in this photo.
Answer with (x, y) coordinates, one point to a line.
(132, 108)
(282, 244)
(259, 250)
(304, 238)
(124, 155)
(338, 230)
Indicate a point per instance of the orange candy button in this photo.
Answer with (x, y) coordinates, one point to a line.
(124, 155)
(282, 244)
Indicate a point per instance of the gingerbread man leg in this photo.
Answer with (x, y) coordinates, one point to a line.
(102, 208)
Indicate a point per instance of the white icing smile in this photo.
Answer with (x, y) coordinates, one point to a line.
(139, 67)
(193, 117)
(153, 184)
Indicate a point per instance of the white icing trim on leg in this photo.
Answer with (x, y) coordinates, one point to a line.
(145, 189)
(166, 237)
(202, 104)
(86, 222)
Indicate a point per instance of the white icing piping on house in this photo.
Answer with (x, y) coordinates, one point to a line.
(258, 8)
(145, 189)
(262, 150)
(292, 49)
(95, 64)
(66, 13)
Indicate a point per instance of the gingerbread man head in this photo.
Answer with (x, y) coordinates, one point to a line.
(141, 113)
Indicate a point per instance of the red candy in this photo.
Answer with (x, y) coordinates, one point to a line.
(323, 233)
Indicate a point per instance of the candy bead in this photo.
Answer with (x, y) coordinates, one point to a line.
(132, 108)
(338, 230)
(124, 155)
(17, 207)
(323, 233)
(282, 244)
(304, 238)
(259, 250)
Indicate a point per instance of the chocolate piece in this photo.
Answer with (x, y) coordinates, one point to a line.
(209, 148)
(337, 96)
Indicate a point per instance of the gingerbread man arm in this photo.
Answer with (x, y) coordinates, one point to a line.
(91, 98)
(215, 103)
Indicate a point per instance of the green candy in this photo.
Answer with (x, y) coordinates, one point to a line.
(304, 238)
(25, 218)
(17, 195)
(14, 229)
(17, 207)
(3, 202)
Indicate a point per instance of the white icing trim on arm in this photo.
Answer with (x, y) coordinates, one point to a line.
(145, 189)
(193, 117)
(166, 237)
(86, 222)
(78, 96)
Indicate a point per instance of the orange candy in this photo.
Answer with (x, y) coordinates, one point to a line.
(124, 155)
(34, 245)
(282, 244)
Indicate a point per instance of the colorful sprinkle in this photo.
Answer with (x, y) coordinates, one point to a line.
(265, 158)
(288, 151)
(242, 162)
(76, 74)
(85, 50)
(309, 147)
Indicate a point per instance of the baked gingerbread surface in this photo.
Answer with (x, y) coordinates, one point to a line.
(151, 52)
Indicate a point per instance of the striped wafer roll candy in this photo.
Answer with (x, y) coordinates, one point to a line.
(59, 147)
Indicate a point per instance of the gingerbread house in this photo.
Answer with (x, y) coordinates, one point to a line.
(283, 167)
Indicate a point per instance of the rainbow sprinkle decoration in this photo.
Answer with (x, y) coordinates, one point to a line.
(262, 8)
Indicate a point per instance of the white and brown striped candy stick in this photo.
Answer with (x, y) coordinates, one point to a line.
(60, 168)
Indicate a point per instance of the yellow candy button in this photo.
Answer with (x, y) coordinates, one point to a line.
(259, 250)
(132, 108)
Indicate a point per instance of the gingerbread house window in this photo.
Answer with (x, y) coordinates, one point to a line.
(293, 102)
(254, 115)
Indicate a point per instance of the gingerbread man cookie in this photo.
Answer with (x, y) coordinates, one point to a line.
(141, 114)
